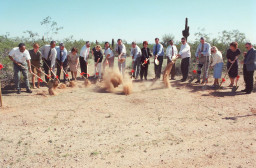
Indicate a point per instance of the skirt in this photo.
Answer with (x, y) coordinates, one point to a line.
(218, 70)
(233, 72)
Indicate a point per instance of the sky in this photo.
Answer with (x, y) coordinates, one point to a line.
(132, 20)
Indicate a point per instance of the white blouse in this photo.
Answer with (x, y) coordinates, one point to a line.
(216, 58)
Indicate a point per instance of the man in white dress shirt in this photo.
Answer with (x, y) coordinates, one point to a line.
(185, 55)
(136, 58)
(21, 63)
(109, 56)
(171, 52)
(83, 59)
(203, 52)
(121, 51)
(49, 54)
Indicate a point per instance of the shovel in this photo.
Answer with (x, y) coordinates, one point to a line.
(223, 79)
(194, 72)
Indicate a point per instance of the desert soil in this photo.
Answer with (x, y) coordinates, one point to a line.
(186, 125)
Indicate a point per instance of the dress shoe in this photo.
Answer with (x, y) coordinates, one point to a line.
(29, 91)
(198, 81)
(244, 90)
(18, 91)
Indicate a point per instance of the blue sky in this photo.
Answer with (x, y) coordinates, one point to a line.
(132, 20)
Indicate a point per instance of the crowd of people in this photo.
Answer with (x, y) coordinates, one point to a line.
(50, 57)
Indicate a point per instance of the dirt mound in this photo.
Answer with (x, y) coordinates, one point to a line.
(53, 83)
(112, 79)
(166, 74)
(87, 83)
(127, 85)
(51, 91)
(72, 84)
(62, 86)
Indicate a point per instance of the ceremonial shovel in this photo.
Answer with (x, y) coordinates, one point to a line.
(223, 79)
(42, 72)
(40, 79)
(51, 70)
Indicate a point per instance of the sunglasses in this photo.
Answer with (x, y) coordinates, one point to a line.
(182, 41)
(246, 47)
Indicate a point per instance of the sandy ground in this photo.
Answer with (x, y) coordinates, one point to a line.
(183, 126)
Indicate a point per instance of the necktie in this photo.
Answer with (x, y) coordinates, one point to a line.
(172, 51)
(119, 50)
(146, 52)
(133, 52)
(156, 50)
(61, 55)
(202, 49)
(48, 58)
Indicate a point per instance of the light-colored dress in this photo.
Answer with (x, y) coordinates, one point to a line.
(217, 63)
(72, 61)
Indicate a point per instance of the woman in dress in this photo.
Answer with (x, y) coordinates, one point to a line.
(217, 64)
(145, 54)
(232, 62)
(73, 60)
(98, 56)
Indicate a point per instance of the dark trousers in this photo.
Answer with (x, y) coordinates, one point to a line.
(158, 68)
(46, 66)
(83, 66)
(144, 71)
(65, 68)
(248, 79)
(185, 67)
(173, 69)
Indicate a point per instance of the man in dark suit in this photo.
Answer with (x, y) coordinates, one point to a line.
(249, 68)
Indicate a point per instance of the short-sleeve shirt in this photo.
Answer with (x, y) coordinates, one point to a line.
(18, 56)
(232, 55)
(108, 51)
(97, 55)
(122, 49)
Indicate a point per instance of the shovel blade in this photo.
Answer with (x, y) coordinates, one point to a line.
(234, 89)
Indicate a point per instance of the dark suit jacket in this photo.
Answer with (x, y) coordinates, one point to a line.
(250, 60)
(145, 54)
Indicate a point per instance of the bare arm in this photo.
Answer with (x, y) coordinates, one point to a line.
(15, 62)
(29, 66)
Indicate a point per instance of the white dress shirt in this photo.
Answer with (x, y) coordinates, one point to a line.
(206, 50)
(169, 51)
(135, 52)
(85, 52)
(108, 52)
(216, 58)
(45, 51)
(122, 49)
(185, 51)
(19, 56)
